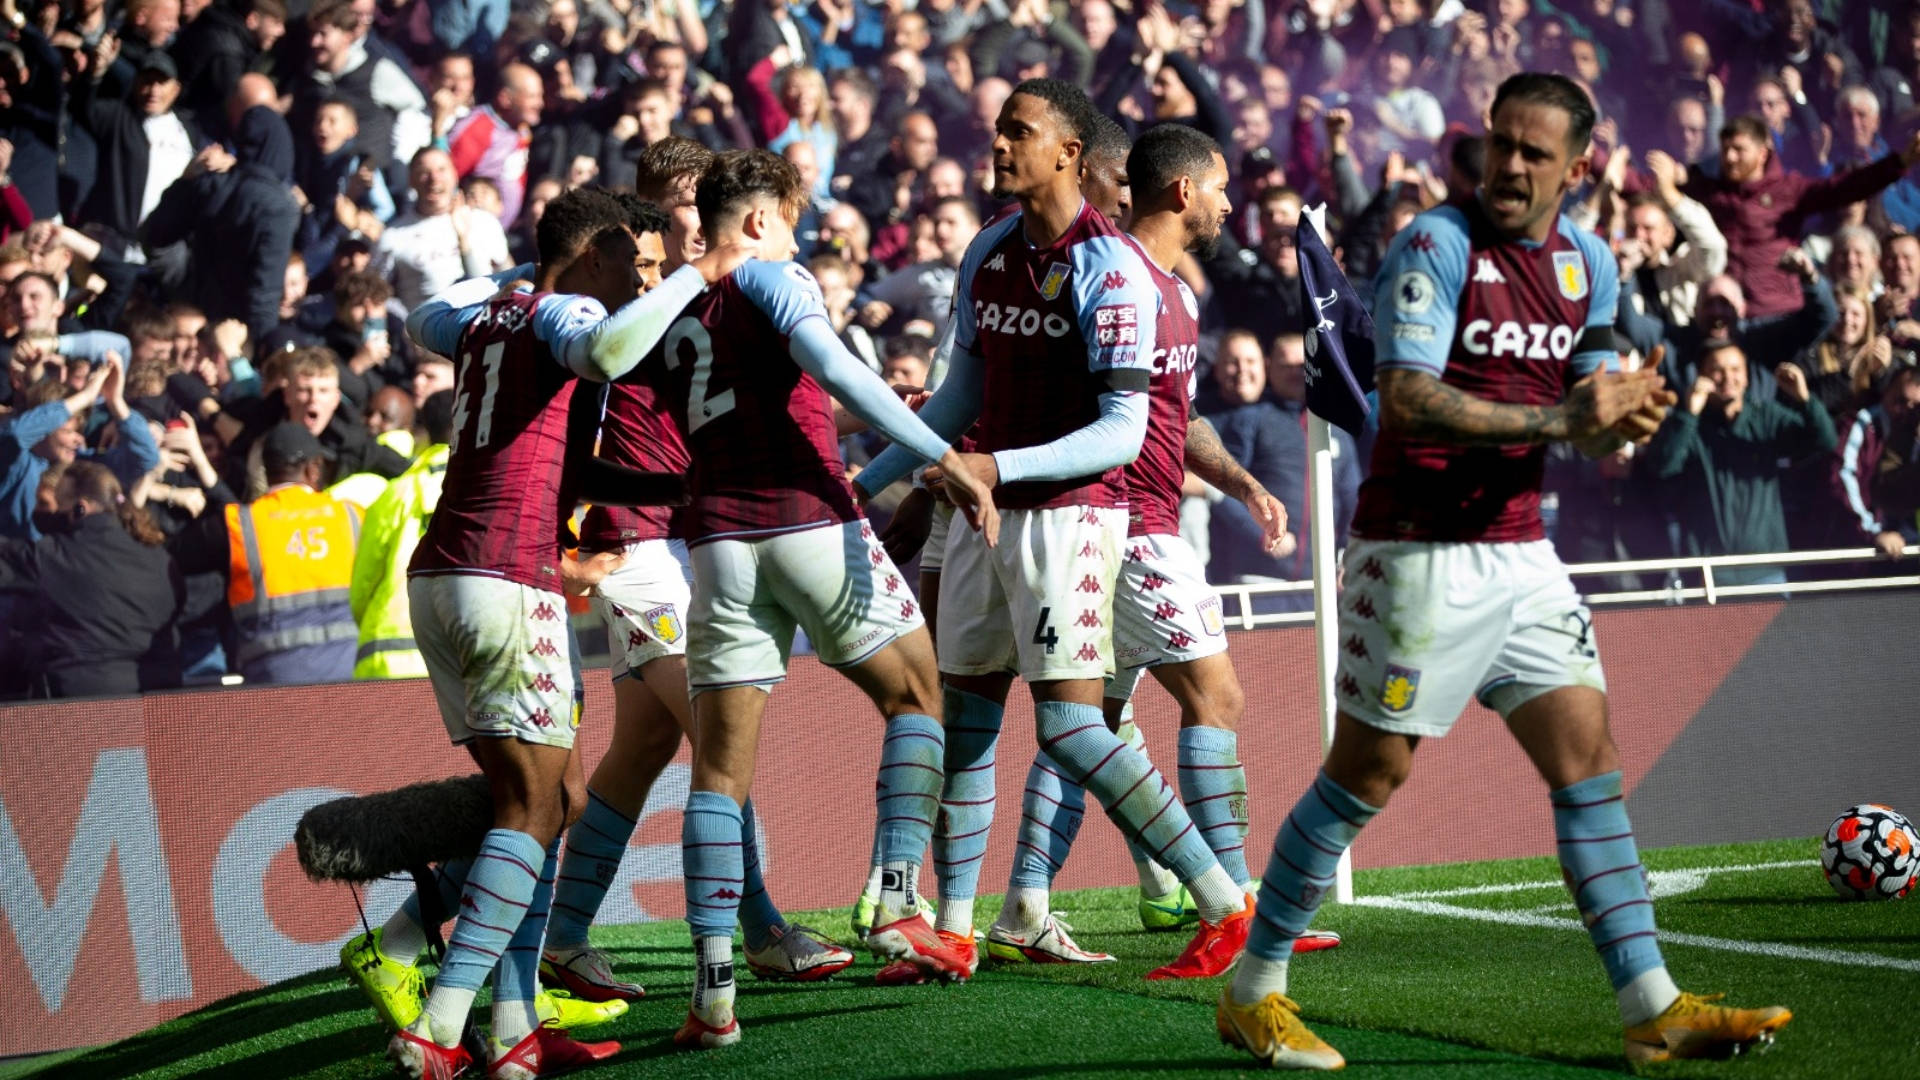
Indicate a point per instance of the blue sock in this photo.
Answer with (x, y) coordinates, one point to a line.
(518, 978)
(758, 916)
(1319, 828)
(1126, 783)
(492, 905)
(907, 794)
(1602, 868)
(1213, 785)
(966, 804)
(595, 846)
(1050, 815)
(711, 862)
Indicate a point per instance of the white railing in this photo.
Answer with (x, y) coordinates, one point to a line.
(1676, 592)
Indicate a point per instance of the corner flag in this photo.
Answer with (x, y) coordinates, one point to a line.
(1339, 334)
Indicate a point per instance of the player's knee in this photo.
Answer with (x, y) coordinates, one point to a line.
(1217, 704)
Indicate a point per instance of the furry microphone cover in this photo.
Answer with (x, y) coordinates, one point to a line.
(373, 836)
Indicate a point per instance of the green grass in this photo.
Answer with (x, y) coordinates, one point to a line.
(1409, 995)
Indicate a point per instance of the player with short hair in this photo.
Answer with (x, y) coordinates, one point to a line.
(1166, 616)
(486, 585)
(777, 541)
(644, 602)
(1494, 322)
(1056, 323)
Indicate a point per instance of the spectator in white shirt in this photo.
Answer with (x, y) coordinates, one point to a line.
(439, 240)
(1673, 240)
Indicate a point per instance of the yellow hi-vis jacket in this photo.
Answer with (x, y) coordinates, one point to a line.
(395, 523)
(290, 558)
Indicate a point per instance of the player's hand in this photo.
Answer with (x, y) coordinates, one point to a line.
(912, 523)
(1603, 399)
(718, 262)
(1271, 514)
(1890, 544)
(1795, 380)
(968, 481)
(580, 576)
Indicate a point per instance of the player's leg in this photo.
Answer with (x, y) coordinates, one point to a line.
(976, 660)
(1548, 685)
(1213, 783)
(1394, 689)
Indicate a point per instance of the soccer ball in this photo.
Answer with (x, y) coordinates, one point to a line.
(1871, 853)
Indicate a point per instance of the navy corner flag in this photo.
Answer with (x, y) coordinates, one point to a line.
(1339, 334)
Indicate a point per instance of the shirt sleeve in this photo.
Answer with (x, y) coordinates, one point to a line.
(1413, 309)
(1118, 308)
(784, 291)
(436, 325)
(820, 354)
(602, 347)
(966, 327)
(1603, 274)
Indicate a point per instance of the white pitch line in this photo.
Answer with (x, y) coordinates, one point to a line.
(1754, 948)
(1524, 886)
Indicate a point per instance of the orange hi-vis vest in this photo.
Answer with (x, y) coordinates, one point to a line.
(291, 569)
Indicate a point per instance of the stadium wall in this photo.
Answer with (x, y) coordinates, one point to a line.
(146, 865)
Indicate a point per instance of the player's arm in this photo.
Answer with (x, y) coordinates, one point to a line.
(1117, 307)
(1207, 458)
(818, 350)
(437, 324)
(1416, 310)
(601, 347)
(957, 374)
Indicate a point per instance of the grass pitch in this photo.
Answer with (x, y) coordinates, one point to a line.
(1460, 971)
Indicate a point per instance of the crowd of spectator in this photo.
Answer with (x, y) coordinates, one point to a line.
(215, 214)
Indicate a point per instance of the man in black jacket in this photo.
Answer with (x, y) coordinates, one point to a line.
(144, 145)
(238, 217)
(221, 44)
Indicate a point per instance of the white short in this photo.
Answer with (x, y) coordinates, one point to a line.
(644, 604)
(501, 658)
(835, 582)
(934, 552)
(1164, 613)
(1039, 605)
(1426, 627)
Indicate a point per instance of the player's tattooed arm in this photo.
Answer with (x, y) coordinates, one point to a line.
(1207, 458)
(1419, 405)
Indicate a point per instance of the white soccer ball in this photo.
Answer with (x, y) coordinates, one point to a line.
(1871, 852)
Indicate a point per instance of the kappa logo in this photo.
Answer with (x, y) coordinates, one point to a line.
(906, 609)
(1179, 639)
(998, 262)
(878, 556)
(541, 718)
(1371, 570)
(545, 612)
(1088, 584)
(1114, 280)
(1348, 686)
(1090, 550)
(1423, 243)
(1138, 553)
(1089, 516)
(1087, 653)
(544, 683)
(866, 532)
(1358, 648)
(1089, 618)
(1363, 608)
(635, 639)
(470, 903)
(1485, 273)
(723, 893)
(618, 611)
(1153, 581)
(1165, 610)
(893, 583)
(543, 647)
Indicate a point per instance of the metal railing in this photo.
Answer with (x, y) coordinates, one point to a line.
(1676, 592)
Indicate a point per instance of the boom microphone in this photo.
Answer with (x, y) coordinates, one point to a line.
(367, 837)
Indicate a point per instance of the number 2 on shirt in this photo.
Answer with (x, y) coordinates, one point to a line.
(483, 426)
(700, 407)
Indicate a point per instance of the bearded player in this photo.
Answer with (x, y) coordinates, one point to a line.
(1053, 356)
(1494, 321)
